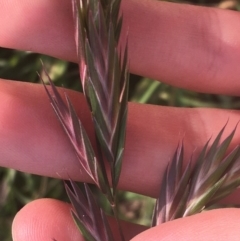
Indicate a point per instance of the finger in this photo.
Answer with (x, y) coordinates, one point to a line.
(40, 26)
(179, 44)
(48, 219)
(32, 139)
(45, 220)
(221, 225)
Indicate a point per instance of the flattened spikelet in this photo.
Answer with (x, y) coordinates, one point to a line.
(212, 178)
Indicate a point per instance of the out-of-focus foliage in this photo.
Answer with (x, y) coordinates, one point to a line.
(17, 189)
(23, 66)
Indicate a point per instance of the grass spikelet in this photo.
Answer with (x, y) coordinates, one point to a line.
(213, 177)
(103, 74)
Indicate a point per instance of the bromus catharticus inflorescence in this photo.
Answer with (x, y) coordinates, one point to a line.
(104, 76)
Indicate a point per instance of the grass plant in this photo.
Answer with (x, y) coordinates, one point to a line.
(104, 77)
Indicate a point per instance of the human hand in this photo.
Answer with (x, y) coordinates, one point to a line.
(174, 43)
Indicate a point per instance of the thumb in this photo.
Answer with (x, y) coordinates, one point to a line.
(220, 224)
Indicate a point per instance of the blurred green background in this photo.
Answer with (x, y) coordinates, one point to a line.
(17, 189)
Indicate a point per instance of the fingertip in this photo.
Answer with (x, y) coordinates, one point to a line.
(48, 219)
(220, 224)
(45, 219)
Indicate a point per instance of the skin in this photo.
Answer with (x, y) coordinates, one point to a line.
(187, 46)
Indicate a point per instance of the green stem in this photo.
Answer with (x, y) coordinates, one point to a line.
(115, 213)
